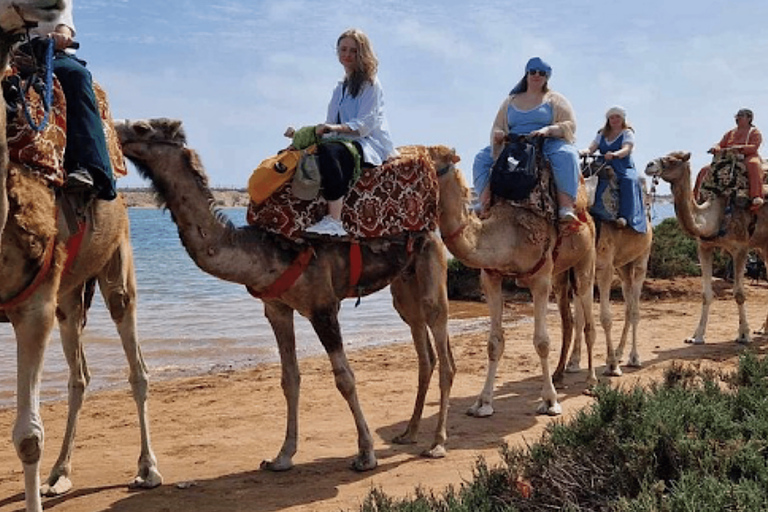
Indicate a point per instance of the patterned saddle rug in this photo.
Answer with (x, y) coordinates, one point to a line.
(727, 177)
(399, 196)
(42, 153)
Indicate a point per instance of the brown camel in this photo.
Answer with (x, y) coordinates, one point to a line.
(707, 222)
(414, 266)
(627, 251)
(516, 241)
(35, 288)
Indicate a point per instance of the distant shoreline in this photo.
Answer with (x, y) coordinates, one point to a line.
(141, 197)
(136, 197)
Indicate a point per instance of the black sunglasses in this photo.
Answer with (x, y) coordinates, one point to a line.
(533, 72)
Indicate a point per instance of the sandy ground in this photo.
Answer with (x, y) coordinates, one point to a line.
(211, 432)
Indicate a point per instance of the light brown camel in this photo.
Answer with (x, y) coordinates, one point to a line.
(514, 241)
(627, 251)
(706, 222)
(31, 297)
(416, 270)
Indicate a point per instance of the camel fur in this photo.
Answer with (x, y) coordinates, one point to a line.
(415, 267)
(512, 241)
(736, 233)
(29, 229)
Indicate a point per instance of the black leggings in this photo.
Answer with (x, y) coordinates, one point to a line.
(337, 166)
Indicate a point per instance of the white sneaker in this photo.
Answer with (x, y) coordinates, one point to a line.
(567, 215)
(327, 226)
(621, 222)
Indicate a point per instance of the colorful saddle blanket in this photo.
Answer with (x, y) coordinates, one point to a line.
(399, 196)
(42, 153)
(727, 176)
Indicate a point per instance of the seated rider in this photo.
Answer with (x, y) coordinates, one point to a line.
(745, 139)
(533, 109)
(356, 116)
(86, 158)
(616, 140)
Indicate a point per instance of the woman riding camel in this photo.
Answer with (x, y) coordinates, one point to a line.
(616, 140)
(533, 109)
(356, 116)
(745, 139)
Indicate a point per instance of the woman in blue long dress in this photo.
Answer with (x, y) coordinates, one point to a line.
(615, 142)
(533, 109)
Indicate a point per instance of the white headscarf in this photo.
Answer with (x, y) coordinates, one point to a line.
(616, 110)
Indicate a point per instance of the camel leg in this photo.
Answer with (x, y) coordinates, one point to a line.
(563, 293)
(483, 405)
(739, 267)
(422, 299)
(604, 277)
(540, 289)
(32, 328)
(70, 313)
(632, 279)
(584, 295)
(118, 287)
(326, 325)
(280, 317)
(706, 255)
(763, 328)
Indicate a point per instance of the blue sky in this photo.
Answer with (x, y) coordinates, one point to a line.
(237, 72)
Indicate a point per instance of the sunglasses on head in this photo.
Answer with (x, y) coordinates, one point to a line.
(533, 72)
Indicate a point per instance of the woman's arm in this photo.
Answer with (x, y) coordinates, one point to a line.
(500, 128)
(564, 123)
(754, 140)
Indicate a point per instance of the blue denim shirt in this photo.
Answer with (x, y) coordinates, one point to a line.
(365, 114)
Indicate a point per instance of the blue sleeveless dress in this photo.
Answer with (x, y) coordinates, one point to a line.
(563, 157)
(631, 206)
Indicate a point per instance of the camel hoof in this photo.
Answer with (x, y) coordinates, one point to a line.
(612, 371)
(479, 410)
(151, 479)
(589, 391)
(364, 462)
(436, 452)
(62, 485)
(550, 410)
(404, 438)
(694, 341)
(276, 465)
(743, 340)
(634, 362)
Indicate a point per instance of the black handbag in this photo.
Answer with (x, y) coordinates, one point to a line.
(514, 174)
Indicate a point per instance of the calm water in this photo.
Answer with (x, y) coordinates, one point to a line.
(191, 323)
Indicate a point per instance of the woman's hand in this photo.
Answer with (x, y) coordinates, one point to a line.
(498, 137)
(290, 132)
(541, 132)
(322, 129)
(610, 156)
(584, 152)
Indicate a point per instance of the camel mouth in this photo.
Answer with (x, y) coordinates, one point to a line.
(653, 168)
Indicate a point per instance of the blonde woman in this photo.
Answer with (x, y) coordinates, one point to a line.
(615, 140)
(355, 118)
(533, 109)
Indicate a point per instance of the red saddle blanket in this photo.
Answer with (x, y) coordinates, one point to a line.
(399, 196)
(42, 152)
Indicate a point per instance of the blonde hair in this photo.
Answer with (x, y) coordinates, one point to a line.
(367, 63)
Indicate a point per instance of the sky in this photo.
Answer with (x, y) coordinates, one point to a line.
(238, 72)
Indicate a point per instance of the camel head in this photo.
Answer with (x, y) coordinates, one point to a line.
(17, 15)
(671, 168)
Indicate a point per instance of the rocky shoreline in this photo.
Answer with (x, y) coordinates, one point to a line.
(145, 197)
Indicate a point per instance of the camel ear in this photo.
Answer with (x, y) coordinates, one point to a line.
(454, 157)
(686, 156)
(174, 127)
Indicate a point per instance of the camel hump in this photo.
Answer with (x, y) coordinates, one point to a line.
(398, 196)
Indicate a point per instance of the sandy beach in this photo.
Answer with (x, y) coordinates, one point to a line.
(211, 432)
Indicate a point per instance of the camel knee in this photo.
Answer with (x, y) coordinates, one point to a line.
(495, 347)
(345, 382)
(29, 443)
(542, 347)
(118, 303)
(740, 297)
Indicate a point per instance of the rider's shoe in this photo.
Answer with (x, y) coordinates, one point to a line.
(567, 215)
(79, 179)
(621, 222)
(327, 226)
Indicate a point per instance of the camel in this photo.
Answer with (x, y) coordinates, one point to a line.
(707, 223)
(626, 251)
(516, 241)
(38, 285)
(415, 268)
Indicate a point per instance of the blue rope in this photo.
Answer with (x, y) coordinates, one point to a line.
(47, 92)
